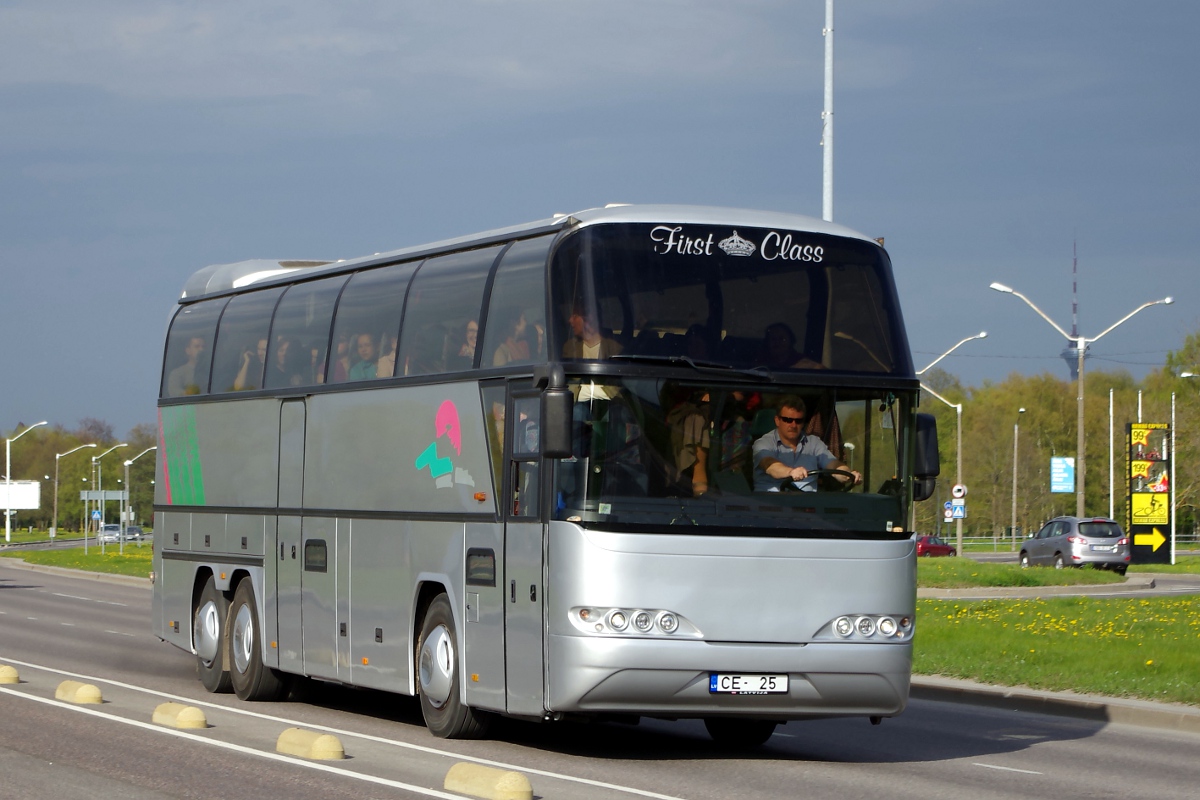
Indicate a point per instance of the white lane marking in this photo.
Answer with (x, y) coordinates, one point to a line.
(238, 748)
(121, 633)
(1007, 769)
(341, 732)
(88, 599)
(68, 624)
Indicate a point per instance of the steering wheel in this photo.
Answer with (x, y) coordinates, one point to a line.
(831, 476)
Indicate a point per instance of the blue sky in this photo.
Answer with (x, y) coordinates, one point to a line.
(141, 140)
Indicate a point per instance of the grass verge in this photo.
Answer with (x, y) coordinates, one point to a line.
(1143, 648)
(962, 573)
(135, 561)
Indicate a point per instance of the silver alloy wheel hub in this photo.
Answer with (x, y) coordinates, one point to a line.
(207, 632)
(242, 634)
(435, 666)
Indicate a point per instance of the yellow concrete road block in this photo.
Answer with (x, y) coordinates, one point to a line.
(177, 715)
(310, 744)
(9, 674)
(78, 693)
(487, 782)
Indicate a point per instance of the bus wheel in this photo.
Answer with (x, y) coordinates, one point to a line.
(739, 732)
(251, 680)
(438, 676)
(209, 639)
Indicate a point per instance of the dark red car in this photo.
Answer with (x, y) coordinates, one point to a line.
(934, 546)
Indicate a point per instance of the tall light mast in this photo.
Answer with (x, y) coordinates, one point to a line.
(827, 119)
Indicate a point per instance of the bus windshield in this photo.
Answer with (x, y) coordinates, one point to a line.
(744, 298)
(660, 452)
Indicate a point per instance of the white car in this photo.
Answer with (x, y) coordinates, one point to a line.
(109, 533)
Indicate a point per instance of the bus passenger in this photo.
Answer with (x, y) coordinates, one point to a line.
(365, 364)
(470, 337)
(779, 349)
(252, 368)
(691, 442)
(289, 366)
(515, 346)
(786, 455)
(586, 340)
(385, 367)
(182, 380)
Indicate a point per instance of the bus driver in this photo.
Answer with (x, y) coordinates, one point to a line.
(787, 454)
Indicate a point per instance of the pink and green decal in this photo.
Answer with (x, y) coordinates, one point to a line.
(448, 431)
(180, 453)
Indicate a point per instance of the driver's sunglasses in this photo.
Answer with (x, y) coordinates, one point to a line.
(790, 420)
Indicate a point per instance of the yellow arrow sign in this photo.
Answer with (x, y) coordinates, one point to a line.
(1155, 539)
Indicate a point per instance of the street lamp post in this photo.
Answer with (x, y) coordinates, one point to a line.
(958, 453)
(57, 456)
(958, 536)
(1016, 432)
(8, 479)
(125, 505)
(99, 490)
(850, 446)
(1081, 345)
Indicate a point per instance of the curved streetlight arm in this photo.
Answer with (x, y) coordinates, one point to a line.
(27, 430)
(109, 450)
(956, 406)
(1000, 287)
(1166, 301)
(73, 450)
(139, 455)
(980, 335)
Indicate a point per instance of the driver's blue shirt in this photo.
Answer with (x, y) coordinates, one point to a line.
(810, 453)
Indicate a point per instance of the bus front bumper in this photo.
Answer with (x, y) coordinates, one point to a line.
(671, 677)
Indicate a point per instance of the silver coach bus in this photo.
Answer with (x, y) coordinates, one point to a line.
(513, 473)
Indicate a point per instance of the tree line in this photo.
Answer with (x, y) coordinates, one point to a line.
(33, 459)
(1047, 429)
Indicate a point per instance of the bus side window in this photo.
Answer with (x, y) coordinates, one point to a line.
(446, 294)
(242, 340)
(367, 320)
(302, 319)
(526, 447)
(516, 320)
(189, 353)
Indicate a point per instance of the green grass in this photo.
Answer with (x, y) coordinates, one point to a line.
(961, 573)
(1189, 565)
(135, 561)
(1143, 648)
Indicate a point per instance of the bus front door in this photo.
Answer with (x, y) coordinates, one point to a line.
(523, 556)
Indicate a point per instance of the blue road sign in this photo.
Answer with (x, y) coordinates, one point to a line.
(96, 514)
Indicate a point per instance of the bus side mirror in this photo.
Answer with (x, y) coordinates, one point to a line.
(928, 464)
(557, 406)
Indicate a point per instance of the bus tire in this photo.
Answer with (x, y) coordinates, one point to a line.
(739, 732)
(251, 679)
(438, 666)
(210, 638)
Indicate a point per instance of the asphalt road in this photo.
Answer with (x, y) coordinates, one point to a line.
(54, 628)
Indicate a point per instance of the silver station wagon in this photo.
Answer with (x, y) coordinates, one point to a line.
(1074, 542)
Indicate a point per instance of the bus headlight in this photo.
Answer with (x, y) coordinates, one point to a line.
(876, 627)
(632, 622)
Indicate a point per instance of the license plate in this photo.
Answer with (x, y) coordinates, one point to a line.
(727, 683)
(1099, 548)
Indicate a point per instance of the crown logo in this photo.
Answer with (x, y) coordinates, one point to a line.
(737, 246)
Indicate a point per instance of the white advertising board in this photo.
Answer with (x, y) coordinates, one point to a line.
(25, 494)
